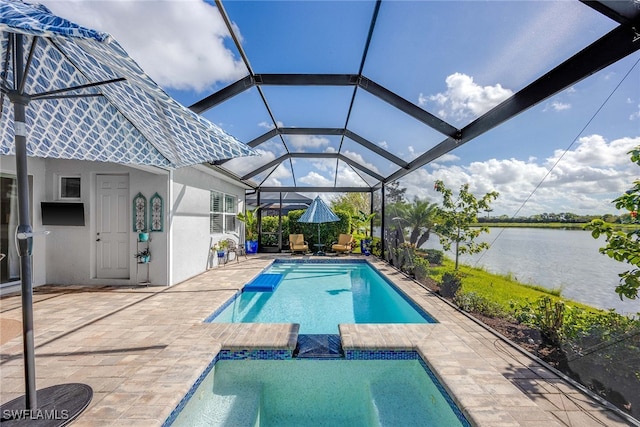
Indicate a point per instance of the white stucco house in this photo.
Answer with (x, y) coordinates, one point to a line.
(199, 207)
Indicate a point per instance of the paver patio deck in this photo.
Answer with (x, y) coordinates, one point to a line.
(141, 349)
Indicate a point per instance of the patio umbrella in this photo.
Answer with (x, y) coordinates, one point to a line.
(318, 213)
(77, 95)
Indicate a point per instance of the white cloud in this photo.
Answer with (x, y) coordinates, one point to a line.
(464, 99)
(244, 165)
(557, 106)
(300, 142)
(324, 165)
(269, 125)
(594, 150)
(347, 177)
(314, 179)
(449, 157)
(584, 182)
(179, 43)
(280, 173)
(360, 160)
(636, 114)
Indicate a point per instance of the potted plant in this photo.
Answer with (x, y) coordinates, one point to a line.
(220, 248)
(362, 223)
(143, 236)
(250, 220)
(143, 256)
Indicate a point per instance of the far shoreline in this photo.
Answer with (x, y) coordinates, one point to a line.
(552, 225)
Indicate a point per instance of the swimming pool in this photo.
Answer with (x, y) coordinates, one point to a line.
(321, 295)
(318, 392)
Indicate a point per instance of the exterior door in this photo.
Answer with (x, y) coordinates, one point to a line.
(112, 227)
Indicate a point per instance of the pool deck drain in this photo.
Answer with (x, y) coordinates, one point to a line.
(141, 349)
(318, 346)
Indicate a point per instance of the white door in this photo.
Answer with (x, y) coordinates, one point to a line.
(112, 226)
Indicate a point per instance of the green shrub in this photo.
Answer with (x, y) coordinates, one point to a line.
(270, 231)
(421, 268)
(329, 231)
(475, 303)
(574, 326)
(434, 256)
(376, 247)
(546, 315)
(451, 283)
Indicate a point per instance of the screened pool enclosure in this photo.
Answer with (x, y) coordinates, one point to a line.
(359, 95)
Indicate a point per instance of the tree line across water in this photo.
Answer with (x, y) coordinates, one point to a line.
(560, 218)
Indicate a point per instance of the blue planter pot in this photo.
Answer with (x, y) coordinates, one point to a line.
(365, 246)
(251, 246)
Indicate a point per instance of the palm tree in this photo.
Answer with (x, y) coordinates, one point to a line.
(420, 217)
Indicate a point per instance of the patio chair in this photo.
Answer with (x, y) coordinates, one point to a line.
(344, 244)
(238, 250)
(297, 243)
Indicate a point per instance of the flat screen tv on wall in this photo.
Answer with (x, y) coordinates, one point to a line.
(62, 213)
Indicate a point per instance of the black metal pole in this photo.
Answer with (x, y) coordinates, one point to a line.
(258, 211)
(25, 241)
(280, 224)
(383, 204)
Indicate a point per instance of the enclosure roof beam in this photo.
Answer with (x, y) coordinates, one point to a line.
(329, 131)
(306, 79)
(265, 167)
(375, 148)
(311, 131)
(339, 157)
(263, 138)
(408, 108)
(222, 95)
(319, 189)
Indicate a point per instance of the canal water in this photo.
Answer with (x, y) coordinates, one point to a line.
(568, 260)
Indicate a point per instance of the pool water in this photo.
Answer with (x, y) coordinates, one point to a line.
(319, 296)
(318, 393)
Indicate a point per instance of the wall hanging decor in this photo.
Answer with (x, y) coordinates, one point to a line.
(156, 212)
(139, 213)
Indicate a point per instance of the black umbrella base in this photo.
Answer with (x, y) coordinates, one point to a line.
(58, 405)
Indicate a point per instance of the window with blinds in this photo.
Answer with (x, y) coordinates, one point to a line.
(222, 215)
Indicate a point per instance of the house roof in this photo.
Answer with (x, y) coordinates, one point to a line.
(290, 201)
(276, 197)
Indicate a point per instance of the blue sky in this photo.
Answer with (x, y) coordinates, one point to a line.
(455, 59)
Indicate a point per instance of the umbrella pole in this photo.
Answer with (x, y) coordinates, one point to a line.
(75, 397)
(25, 244)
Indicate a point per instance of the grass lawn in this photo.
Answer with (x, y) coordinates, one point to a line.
(501, 289)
